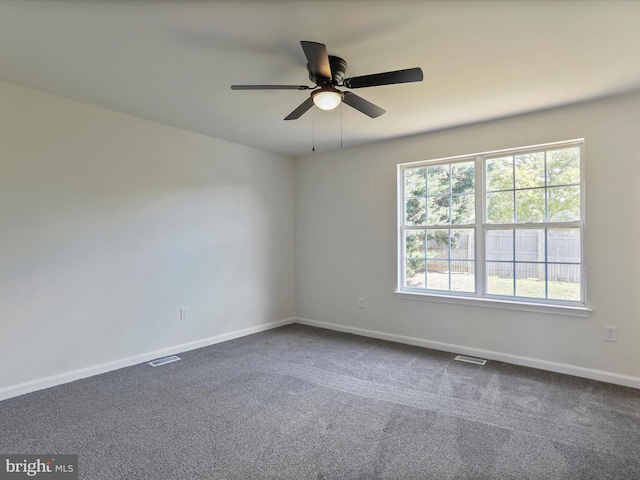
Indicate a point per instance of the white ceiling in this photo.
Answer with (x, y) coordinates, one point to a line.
(174, 61)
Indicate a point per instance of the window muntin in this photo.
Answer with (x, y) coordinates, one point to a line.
(440, 259)
(534, 187)
(542, 263)
(440, 194)
(528, 215)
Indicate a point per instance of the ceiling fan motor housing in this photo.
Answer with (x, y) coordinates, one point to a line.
(338, 71)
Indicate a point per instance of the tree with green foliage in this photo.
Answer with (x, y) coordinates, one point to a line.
(440, 195)
(534, 187)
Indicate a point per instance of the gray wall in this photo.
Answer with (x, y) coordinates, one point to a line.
(111, 223)
(346, 231)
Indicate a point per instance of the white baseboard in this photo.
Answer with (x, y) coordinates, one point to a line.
(52, 381)
(66, 377)
(609, 377)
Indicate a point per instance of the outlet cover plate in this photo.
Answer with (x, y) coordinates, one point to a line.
(610, 333)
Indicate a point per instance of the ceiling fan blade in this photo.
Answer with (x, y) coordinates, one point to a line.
(387, 78)
(318, 59)
(362, 105)
(298, 112)
(269, 87)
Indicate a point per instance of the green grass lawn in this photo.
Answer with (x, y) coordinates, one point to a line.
(529, 287)
(525, 287)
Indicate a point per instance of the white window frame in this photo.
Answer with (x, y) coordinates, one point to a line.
(481, 227)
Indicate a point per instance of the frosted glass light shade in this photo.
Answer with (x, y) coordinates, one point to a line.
(326, 99)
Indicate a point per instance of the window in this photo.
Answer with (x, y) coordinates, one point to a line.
(498, 226)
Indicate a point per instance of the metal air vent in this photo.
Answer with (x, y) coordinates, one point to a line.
(164, 361)
(477, 361)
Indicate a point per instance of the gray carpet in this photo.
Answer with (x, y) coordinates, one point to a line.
(306, 403)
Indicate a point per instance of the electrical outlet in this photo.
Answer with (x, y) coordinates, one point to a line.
(611, 334)
(360, 302)
(184, 313)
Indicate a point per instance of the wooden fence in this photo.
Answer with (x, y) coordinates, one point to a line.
(563, 255)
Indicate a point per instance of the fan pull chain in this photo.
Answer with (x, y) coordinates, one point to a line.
(313, 129)
(340, 124)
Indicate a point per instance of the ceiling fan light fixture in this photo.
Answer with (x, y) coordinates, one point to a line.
(326, 98)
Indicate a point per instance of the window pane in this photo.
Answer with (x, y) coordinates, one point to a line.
(415, 211)
(463, 177)
(529, 169)
(438, 210)
(530, 205)
(462, 244)
(438, 274)
(564, 204)
(500, 174)
(415, 244)
(530, 245)
(463, 209)
(499, 245)
(564, 282)
(500, 207)
(563, 166)
(530, 280)
(415, 182)
(564, 245)
(414, 273)
(438, 244)
(463, 277)
(500, 278)
(438, 180)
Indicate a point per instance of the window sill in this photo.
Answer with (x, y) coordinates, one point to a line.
(574, 311)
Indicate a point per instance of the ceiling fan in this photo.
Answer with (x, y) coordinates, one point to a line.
(328, 72)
